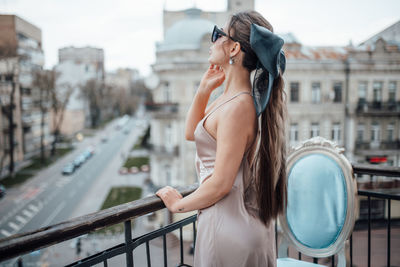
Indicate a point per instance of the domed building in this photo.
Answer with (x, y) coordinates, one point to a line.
(181, 60)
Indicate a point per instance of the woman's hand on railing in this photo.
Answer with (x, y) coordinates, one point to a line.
(171, 197)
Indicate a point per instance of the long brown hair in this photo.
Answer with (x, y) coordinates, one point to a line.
(269, 165)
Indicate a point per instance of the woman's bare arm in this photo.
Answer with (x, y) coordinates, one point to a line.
(213, 78)
(233, 132)
(196, 112)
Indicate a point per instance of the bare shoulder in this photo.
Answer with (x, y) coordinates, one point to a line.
(241, 111)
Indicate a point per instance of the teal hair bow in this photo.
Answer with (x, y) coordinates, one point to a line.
(268, 48)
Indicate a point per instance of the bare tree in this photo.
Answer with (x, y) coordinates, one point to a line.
(127, 100)
(45, 82)
(139, 91)
(59, 101)
(93, 92)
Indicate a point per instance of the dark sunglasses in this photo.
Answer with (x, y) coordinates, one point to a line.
(217, 33)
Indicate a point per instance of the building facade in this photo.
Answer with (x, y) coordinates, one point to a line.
(23, 40)
(181, 59)
(374, 101)
(10, 93)
(76, 66)
(333, 92)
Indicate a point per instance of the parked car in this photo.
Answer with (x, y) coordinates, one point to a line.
(79, 160)
(126, 131)
(87, 154)
(2, 191)
(68, 169)
(123, 170)
(90, 149)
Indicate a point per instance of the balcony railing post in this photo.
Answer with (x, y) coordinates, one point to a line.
(148, 254)
(128, 243)
(388, 233)
(165, 250)
(181, 244)
(351, 250)
(369, 231)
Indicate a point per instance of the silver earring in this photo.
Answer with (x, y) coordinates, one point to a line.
(231, 61)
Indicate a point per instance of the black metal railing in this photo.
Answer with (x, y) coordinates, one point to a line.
(382, 145)
(378, 108)
(20, 244)
(163, 107)
(164, 150)
(17, 245)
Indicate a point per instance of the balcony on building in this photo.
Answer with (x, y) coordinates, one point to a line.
(162, 109)
(378, 108)
(164, 150)
(6, 128)
(376, 146)
(27, 122)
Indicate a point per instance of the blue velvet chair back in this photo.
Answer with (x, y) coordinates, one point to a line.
(321, 198)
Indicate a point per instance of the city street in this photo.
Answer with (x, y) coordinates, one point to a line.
(49, 197)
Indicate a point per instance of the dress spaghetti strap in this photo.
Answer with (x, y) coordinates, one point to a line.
(224, 103)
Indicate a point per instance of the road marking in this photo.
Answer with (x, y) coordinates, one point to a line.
(27, 213)
(33, 208)
(31, 193)
(54, 214)
(14, 226)
(39, 204)
(21, 219)
(5, 233)
(63, 181)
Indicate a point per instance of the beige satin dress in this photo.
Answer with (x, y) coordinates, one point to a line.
(229, 233)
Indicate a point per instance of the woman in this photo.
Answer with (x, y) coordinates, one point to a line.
(240, 145)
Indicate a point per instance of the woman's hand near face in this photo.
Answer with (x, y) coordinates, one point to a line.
(212, 79)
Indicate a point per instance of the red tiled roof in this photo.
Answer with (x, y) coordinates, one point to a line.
(316, 53)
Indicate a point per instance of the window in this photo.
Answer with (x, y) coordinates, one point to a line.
(390, 132)
(168, 135)
(294, 92)
(316, 92)
(168, 176)
(377, 89)
(336, 132)
(167, 92)
(362, 91)
(314, 129)
(337, 88)
(375, 132)
(360, 132)
(294, 132)
(392, 91)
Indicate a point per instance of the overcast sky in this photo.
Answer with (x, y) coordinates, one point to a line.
(128, 29)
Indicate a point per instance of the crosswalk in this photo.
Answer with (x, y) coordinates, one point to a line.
(21, 219)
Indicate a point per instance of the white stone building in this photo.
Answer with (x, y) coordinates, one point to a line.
(181, 59)
(322, 86)
(76, 66)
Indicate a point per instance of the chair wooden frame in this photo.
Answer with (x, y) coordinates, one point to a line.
(326, 147)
